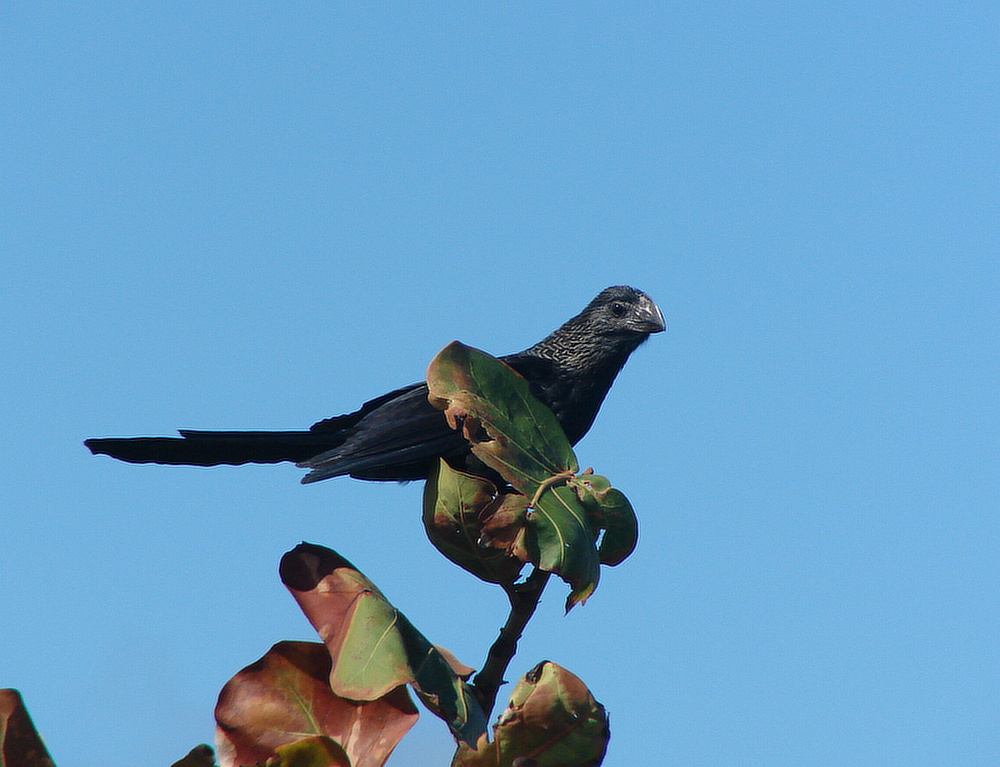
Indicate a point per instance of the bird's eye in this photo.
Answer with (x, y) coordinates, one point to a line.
(618, 308)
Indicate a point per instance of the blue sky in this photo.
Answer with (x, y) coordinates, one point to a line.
(256, 215)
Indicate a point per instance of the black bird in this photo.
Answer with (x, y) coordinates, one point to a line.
(400, 435)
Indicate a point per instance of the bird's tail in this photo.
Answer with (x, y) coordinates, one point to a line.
(211, 448)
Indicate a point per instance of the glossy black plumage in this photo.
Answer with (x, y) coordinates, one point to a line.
(399, 436)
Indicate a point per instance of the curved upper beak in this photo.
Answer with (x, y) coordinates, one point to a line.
(650, 318)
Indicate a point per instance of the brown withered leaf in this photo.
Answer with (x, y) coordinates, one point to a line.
(20, 744)
(456, 507)
(552, 720)
(285, 697)
(505, 526)
(461, 670)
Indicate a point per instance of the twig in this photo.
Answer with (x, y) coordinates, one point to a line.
(524, 599)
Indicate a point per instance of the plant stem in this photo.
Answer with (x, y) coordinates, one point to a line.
(524, 599)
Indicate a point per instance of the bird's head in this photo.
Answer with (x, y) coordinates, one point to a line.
(621, 310)
(601, 337)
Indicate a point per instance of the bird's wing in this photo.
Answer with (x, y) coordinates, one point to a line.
(396, 436)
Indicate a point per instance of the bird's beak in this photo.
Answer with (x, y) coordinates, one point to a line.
(650, 318)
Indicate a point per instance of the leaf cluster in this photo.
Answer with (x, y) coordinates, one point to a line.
(548, 515)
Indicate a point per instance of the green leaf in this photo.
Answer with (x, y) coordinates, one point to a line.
(20, 745)
(286, 696)
(315, 751)
(373, 646)
(523, 441)
(201, 755)
(608, 509)
(454, 508)
(551, 719)
(566, 541)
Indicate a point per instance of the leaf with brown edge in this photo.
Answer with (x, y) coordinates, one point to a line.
(508, 428)
(373, 646)
(505, 526)
(285, 697)
(456, 505)
(552, 720)
(20, 744)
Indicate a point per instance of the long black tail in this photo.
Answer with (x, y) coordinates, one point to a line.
(211, 448)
